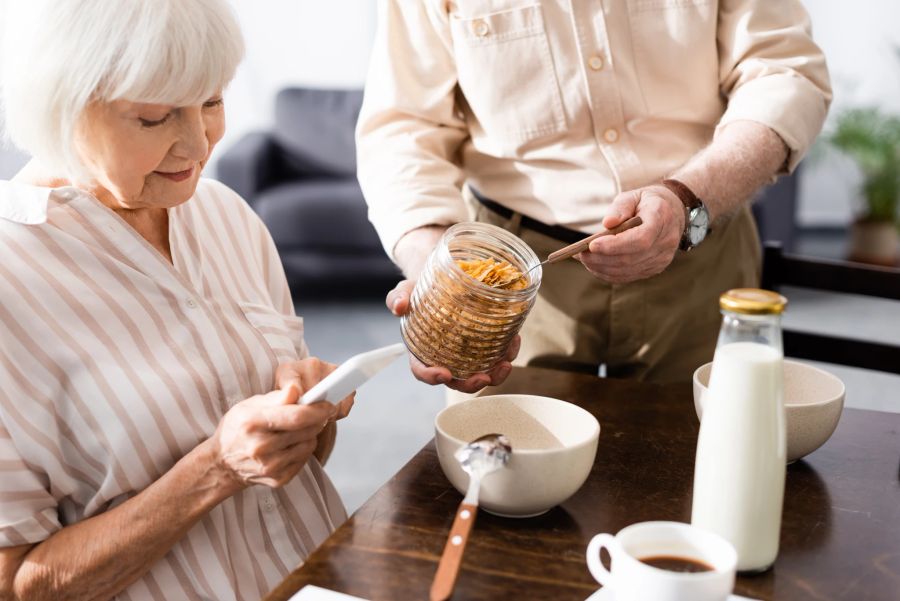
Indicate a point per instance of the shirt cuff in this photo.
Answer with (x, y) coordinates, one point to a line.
(392, 225)
(31, 529)
(790, 105)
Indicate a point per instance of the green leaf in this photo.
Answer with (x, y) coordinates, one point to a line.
(872, 139)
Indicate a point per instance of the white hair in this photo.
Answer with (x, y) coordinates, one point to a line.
(61, 55)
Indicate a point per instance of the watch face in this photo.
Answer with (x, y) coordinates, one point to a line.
(699, 225)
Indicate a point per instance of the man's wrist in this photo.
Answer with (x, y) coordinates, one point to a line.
(413, 248)
(682, 191)
(696, 215)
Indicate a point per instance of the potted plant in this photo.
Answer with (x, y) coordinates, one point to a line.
(872, 139)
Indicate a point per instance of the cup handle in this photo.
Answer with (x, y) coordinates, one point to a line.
(598, 570)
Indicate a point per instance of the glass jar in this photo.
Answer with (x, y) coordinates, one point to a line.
(458, 322)
(739, 471)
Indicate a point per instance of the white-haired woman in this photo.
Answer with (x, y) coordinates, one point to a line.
(150, 360)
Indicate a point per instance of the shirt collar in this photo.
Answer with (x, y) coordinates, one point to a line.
(24, 203)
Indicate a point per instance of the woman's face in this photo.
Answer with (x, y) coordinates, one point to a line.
(148, 156)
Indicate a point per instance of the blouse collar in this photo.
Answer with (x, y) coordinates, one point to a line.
(27, 204)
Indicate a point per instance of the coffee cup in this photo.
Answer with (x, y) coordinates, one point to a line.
(664, 561)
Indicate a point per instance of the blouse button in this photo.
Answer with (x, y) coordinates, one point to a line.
(611, 135)
(480, 28)
(595, 63)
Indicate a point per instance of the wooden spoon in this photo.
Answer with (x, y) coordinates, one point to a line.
(479, 458)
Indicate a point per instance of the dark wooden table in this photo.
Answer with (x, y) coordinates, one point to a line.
(840, 536)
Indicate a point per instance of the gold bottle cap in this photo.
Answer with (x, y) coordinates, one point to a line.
(753, 301)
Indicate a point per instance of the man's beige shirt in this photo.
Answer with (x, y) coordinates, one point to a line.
(552, 107)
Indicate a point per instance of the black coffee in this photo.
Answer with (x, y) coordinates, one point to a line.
(677, 564)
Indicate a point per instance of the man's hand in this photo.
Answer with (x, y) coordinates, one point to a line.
(398, 302)
(643, 251)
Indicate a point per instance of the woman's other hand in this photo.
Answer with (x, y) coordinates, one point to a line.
(306, 373)
(398, 302)
(267, 439)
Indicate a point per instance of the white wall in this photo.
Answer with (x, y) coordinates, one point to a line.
(861, 41)
(296, 42)
(10, 159)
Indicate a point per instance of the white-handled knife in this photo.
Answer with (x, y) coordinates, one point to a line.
(352, 373)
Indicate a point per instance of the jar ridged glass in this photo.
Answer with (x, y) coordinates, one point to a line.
(458, 322)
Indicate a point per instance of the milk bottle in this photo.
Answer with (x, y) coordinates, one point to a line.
(740, 466)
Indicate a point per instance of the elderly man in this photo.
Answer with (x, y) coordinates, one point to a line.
(552, 118)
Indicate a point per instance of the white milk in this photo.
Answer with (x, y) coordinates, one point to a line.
(740, 468)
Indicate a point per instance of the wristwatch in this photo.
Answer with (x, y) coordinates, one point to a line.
(696, 215)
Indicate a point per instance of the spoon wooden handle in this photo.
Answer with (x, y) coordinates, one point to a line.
(578, 247)
(448, 568)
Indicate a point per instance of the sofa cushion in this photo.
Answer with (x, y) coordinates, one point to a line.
(317, 127)
(313, 272)
(324, 214)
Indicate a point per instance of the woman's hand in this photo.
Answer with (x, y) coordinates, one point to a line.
(267, 439)
(643, 251)
(305, 374)
(398, 302)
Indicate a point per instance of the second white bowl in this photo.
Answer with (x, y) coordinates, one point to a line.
(813, 401)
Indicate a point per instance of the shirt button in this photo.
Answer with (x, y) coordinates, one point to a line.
(191, 303)
(611, 135)
(480, 28)
(595, 63)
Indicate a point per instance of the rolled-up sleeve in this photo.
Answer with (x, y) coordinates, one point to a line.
(28, 512)
(772, 72)
(409, 133)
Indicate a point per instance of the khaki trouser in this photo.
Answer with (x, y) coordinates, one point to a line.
(658, 329)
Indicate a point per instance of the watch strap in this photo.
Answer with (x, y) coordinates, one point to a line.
(684, 194)
(690, 202)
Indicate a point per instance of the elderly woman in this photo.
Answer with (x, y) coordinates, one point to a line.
(150, 360)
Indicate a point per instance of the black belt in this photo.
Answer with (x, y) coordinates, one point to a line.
(558, 232)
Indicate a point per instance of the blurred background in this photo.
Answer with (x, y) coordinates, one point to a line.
(290, 154)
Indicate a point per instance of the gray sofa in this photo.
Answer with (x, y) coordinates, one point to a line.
(300, 177)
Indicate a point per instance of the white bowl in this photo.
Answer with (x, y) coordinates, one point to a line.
(813, 401)
(553, 448)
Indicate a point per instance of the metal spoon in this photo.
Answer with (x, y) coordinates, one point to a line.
(479, 458)
(573, 249)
